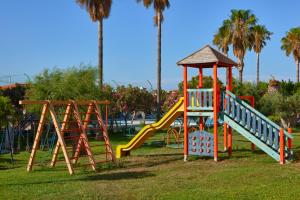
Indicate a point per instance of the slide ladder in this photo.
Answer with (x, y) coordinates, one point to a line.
(253, 125)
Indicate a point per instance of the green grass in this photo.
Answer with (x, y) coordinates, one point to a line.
(156, 173)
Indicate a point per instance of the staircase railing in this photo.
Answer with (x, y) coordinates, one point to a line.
(254, 122)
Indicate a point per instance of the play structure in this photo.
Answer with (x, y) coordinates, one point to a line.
(221, 106)
(72, 120)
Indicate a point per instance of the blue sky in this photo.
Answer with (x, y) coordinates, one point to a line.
(36, 34)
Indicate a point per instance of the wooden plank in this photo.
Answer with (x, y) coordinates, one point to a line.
(60, 138)
(37, 137)
(87, 118)
(108, 146)
(58, 102)
(83, 138)
(63, 128)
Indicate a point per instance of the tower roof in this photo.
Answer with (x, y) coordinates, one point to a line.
(206, 57)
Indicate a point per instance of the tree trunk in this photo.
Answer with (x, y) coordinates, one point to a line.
(257, 68)
(100, 51)
(241, 69)
(158, 65)
(297, 70)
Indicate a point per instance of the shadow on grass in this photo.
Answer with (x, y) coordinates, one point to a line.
(97, 177)
(155, 160)
(119, 176)
(7, 163)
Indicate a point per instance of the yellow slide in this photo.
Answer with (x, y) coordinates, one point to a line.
(148, 130)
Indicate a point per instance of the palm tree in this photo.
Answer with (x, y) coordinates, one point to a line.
(242, 22)
(98, 10)
(222, 39)
(291, 45)
(159, 7)
(260, 36)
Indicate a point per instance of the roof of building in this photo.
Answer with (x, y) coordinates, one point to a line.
(206, 57)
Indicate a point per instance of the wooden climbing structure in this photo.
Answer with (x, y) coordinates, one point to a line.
(72, 120)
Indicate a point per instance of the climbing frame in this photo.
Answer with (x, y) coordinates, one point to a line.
(65, 115)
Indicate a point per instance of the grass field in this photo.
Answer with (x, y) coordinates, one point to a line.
(156, 173)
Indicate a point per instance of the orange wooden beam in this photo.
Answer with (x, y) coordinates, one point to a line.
(215, 90)
(185, 118)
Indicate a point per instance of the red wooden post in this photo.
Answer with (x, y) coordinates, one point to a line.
(229, 147)
(290, 140)
(225, 143)
(282, 160)
(200, 85)
(185, 123)
(215, 90)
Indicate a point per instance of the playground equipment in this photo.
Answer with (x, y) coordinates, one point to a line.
(149, 130)
(224, 106)
(66, 117)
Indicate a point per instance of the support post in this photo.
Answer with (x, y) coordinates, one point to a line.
(85, 124)
(63, 127)
(229, 140)
(83, 137)
(282, 160)
(290, 140)
(108, 147)
(37, 137)
(200, 85)
(215, 89)
(185, 118)
(60, 138)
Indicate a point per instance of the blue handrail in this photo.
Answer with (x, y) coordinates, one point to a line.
(264, 118)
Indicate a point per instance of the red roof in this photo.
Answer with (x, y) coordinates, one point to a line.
(10, 86)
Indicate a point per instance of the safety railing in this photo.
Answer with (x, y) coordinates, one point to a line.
(254, 122)
(200, 99)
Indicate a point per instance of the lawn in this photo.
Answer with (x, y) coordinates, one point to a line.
(154, 172)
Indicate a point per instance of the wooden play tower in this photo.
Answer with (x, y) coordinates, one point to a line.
(204, 102)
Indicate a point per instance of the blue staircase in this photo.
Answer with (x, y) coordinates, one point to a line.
(253, 125)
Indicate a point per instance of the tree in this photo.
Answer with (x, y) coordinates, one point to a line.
(291, 45)
(260, 36)
(241, 24)
(222, 39)
(71, 83)
(6, 111)
(159, 7)
(98, 10)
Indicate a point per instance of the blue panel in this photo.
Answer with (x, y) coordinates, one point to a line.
(265, 131)
(195, 99)
(238, 108)
(276, 139)
(210, 99)
(248, 119)
(270, 135)
(201, 143)
(205, 99)
(254, 124)
(259, 131)
(227, 105)
(232, 109)
(243, 116)
(200, 99)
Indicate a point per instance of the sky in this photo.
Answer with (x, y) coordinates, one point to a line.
(40, 34)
